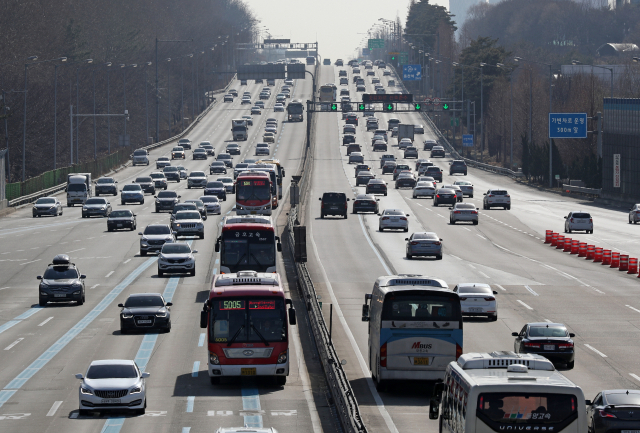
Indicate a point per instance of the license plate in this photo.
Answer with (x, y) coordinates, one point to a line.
(630, 431)
(253, 212)
(549, 347)
(247, 372)
(59, 295)
(420, 360)
(110, 401)
(475, 310)
(119, 225)
(144, 321)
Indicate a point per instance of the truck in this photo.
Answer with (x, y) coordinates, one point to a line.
(295, 111)
(405, 131)
(239, 129)
(78, 188)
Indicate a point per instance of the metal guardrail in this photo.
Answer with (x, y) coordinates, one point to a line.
(581, 190)
(442, 140)
(343, 395)
(45, 192)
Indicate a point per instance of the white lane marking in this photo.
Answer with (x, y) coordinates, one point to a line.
(531, 290)
(375, 250)
(126, 261)
(471, 266)
(190, 401)
(467, 229)
(548, 321)
(26, 263)
(354, 346)
(635, 376)
(201, 339)
(596, 350)
(455, 257)
(195, 369)
(94, 286)
(109, 274)
(54, 408)
(483, 274)
(439, 215)
(73, 251)
(525, 305)
(186, 429)
(634, 309)
(14, 343)
(480, 236)
(45, 322)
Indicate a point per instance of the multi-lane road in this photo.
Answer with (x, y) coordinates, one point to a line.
(42, 348)
(535, 282)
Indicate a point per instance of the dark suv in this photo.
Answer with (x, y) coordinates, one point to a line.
(458, 166)
(166, 200)
(435, 172)
(353, 148)
(146, 183)
(333, 203)
(352, 119)
(61, 282)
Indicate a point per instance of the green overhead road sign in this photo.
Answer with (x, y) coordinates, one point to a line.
(376, 43)
(404, 58)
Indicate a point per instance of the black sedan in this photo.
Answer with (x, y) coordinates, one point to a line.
(121, 219)
(405, 180)
(365, 203)
(145, 311)
(445, 196)
(348, 139)
(146, 183)
(377, 186)
(216, 188)
(614, 410)
(551, 340)
(165, 200)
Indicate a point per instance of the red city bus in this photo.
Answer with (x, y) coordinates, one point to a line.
(247, 242)
(253, 193)
(247, 326)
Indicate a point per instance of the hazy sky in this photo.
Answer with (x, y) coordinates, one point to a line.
(334, 24)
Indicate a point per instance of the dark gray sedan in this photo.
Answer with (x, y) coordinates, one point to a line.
(121, 219)
(96, 206)
(146, 183)
(106, 185)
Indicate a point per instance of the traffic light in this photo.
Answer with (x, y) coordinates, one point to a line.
(334, 107)
(360, 107)
(388, 107)
(445, 106)
(417, 106)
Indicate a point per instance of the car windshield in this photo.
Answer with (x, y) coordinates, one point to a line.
(424, 185)
(163, 159)
(217, 164)
(145, 301)
(77, 187)
(465, 206)
(244, 320)
(426, 236)
(60, 273)
(216, 184)
(198, 203)
(225, 180)
(333, 197)
(178, 149)
(393, 212)
(121, 214)
(581, 215)
(157, 175)
(113, 371)
(96, 201)
(105, 180)
(475, 290)
(463, 182)
(224, 156)
(199, 151)
(209, 199)
(132, 188)
(157, 230)
(176, 249)
(46, 201)
(403, 167)
(143, 180)
(197, 174)
(167, 194)
(548, 331)
(170, 169)
(184, 206)
(140, 153)
(188, 215)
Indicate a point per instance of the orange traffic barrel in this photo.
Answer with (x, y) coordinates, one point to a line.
(560, 243)
(548, 236)
(567, 244)
(582, 249)
(633, 265)
(624, 262)
(554, 239)
(606, 257)
(591, 252)
(598, 256)
(575, 246)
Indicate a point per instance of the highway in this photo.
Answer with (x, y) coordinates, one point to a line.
(42, 348)
(535, 282)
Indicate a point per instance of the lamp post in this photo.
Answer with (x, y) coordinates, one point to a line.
(124, 87)
(501, 65)
(146, 100)
(575, 62)
(55, 111)
(168, 60)
(88, 61)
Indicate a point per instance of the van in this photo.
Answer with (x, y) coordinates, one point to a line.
(333, 203)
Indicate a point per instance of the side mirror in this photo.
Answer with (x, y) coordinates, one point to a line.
(477, 208)
(406, 239)
(39, 277)
(135, 215)
(514, 334)
(571, 334)
(139, 233)
(145, 375)
(203, 319)
(564, 217)
(82, 277)
(348, 199)
(484, 193)
(79, 376)
(121, 305)
(292, 316)
(408, 215)
(365, 313)
(587, 402)
(320, 198)
(440, 240)
(155, 196)
(217, 247)
(434, 409)
(169, 304)
(194, 252)
(179, 196)
(495, 293)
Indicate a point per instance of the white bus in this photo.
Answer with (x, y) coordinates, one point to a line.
(415, 328)
(507, 392)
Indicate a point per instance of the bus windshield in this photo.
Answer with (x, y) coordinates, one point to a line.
(244, 319)
(417, 306)
(294, 108)
(253, 190)
(499, 408)
(243, 249)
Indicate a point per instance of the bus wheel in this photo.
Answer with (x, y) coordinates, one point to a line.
(214, 380)
(281, 380)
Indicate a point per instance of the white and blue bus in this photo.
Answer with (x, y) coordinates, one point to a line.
(415, 328)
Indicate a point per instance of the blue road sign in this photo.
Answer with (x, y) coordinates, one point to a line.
(411, 72)
(366, 51)
(467, 140)
(567, 125)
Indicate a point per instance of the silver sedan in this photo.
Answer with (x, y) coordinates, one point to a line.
(424, 244)
(463, 212)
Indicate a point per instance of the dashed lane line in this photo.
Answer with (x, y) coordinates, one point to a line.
(524, 305)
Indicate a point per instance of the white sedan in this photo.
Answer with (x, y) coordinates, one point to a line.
(278, 107)
(393, 219)
(477, 299)
(423, 189)
(463, 212)
(465, 186)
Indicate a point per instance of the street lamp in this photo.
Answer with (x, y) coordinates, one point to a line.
(87, 61)
(502, 66)
(55, 110)
(146, 102)
(124, 86)
(168, 59)
(575, 62)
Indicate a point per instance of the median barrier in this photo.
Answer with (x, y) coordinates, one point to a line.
(548, 236)
(582, 249)
(615, 260)
(624, 262)
(598, 255)
(633, 265)
(606, 257)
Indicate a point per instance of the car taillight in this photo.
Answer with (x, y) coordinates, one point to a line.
(403, 218)
(458, 351)
(385, 218)
(571, 220)
(345, 205)
(490, 195)
(436, 243)
(591, 220)
(564, 346)
(605, 414)
(438, 195)
(532, 345)
(414, 243)
(489, 298)
(456, 211)
(383, 355)
(463, 299)
(356, 202)
(474, 212)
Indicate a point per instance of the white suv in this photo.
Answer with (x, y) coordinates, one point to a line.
(496, 198)
(578, 221)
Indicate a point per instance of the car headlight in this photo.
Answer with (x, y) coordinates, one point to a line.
(77, 292)
(103, 208)
(213, 358)
(76, 286)
(135, 390)
(161, 314)
(157, 201)
(86, 391)
(160, 257)
(43, 293)
(282, 358)
(200, 225)
(84, 208)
